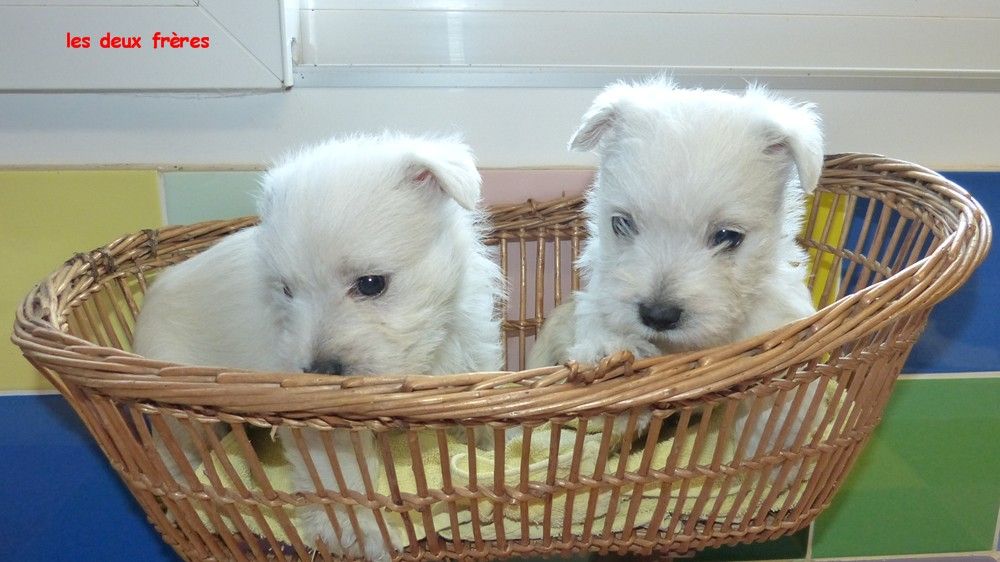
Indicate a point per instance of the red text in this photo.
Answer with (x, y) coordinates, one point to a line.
(175, 41)
(116, 42)
(160, 41)
(76, 42)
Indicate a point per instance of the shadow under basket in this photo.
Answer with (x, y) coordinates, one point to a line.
(573, 469)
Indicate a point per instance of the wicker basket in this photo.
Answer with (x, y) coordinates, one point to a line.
(912, 238)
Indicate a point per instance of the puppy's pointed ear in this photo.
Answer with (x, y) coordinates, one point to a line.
(797, 133)
(449, 167)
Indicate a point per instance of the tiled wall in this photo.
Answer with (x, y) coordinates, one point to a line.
(928, 483)
(45, 217)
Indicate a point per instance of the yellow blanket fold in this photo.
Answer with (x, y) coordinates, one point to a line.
(589, 500)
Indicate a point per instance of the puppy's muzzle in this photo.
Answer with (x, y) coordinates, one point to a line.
(660, 316)
(326, 366)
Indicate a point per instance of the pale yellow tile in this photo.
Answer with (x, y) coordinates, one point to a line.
(45, 218)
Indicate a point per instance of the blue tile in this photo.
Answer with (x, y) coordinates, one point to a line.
(60, 499)
(963, 333)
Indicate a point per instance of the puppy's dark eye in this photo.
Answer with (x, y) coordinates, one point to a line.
(370, 285)
(287, 290)
(623, 226)
(727, 238)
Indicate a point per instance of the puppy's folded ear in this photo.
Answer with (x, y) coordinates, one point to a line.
(449, 167)
(597, 121)
(796, 131)
(607, 114)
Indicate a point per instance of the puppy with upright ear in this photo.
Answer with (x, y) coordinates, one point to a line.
(693, 218)
(368, 259)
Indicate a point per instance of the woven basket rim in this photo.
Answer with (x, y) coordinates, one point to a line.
(567, 390)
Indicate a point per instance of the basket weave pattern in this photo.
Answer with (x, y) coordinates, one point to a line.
(916, 238)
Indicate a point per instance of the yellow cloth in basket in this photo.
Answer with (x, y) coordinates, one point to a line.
(601, 506)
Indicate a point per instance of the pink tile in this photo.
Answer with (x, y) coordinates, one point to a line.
(517, 185)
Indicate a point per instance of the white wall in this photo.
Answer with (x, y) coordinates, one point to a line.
(918, 81)
(507, 127)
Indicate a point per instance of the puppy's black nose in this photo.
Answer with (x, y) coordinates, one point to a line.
(326, 366)
(660, 316)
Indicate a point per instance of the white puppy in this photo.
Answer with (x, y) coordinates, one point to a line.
(367, 260)
(692, 219)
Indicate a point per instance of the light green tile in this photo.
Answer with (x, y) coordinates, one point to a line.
(45, 218)
(199, 196)
(928, 482)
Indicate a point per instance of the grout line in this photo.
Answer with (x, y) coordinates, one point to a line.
(45, 392)
(164, 167)
(117, 167)
(809, 540)
(162, 188)
(996, 534)
(930, 556)
(951, 376)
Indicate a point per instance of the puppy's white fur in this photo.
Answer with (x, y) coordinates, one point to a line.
(284, 295)
(684, 164)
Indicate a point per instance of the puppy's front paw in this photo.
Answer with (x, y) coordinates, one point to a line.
(643, 348)
(592, 350)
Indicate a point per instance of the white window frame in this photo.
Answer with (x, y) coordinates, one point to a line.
(250, 46)
(847, 45)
